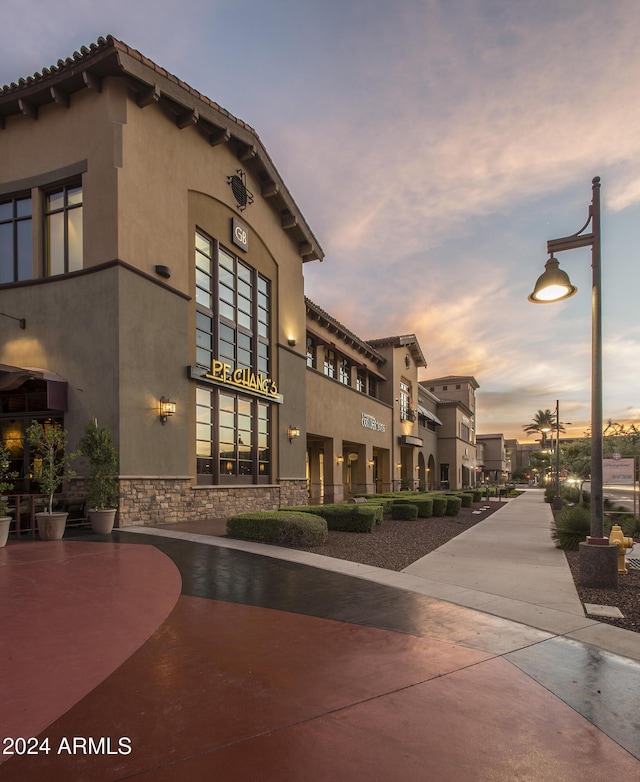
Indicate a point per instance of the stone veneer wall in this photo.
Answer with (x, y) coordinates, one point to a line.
(149, 501)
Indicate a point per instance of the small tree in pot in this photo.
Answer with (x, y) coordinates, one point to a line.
(50, 465)
(101, 483)
(6, 484)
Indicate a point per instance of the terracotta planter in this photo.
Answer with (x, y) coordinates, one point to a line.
(5, 521)
(102, 520)
(51, 525)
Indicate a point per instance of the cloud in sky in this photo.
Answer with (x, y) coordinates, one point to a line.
(433, 147)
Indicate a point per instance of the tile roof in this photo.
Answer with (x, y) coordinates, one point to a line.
(346, 334)
(109, 57)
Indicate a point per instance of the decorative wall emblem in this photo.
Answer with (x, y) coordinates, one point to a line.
(238, 183)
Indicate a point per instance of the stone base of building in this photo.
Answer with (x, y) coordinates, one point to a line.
(148, 501)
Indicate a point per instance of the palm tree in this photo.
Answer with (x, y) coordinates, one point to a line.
(544, 421)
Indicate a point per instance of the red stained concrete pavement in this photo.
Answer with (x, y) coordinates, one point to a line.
(100, 645)
(70, 614)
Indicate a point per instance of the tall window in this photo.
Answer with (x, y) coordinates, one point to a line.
(233, 314)
(63, 230)
(16, 255)
(311, 352)
(330, 363)
(345, 372)
(405, 401)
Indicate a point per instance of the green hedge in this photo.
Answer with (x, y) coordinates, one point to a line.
(439, 506)
(279, 527)
(453, 506)
(467, 500)
(385, 503)
(345, 518)
(404, 510)
(423, 504)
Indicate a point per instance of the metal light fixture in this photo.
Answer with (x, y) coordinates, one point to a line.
(21, 321)
(291, 341)
(340, 459)
(552, 285)
(598, 566)
(167, 409)
(292, 433)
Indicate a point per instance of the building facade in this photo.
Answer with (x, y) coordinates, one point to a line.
(154, 257)
(496, 465)
(151, 277)
(362, 410)
(457, 457)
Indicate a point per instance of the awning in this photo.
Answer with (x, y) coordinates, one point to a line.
(13, 377)
(427, 414)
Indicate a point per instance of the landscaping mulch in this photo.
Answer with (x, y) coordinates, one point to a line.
(626, 597)
(395, 545)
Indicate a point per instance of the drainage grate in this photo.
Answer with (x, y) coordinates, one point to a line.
(633, 564)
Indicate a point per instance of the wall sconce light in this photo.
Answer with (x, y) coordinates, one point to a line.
(340, 459)
(370, 463)
(291, 341)
(21, 321)
(292, 433)
(399, 466)
(167, 409)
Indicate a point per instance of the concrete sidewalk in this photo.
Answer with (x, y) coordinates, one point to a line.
(507, 566)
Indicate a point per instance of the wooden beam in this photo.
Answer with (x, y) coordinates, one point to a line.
(60, 96)
(149, 96)
(219, 137)
(305, 248)
(28, 109)
(91, 81)
(288, 221)
(247, 153)
(187, 118)
(270, 189)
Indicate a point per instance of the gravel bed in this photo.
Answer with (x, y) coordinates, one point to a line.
(396, 544)
(626, 597)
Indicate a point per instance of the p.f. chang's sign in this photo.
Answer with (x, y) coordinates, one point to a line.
(244, 379)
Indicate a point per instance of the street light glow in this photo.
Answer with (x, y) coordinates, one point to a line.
(552, 285)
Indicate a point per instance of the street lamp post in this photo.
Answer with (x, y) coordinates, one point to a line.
(598, 566)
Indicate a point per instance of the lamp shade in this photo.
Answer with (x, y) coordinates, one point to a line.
(552, 285)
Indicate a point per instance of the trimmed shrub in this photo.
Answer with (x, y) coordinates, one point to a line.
(284, 528)
(383, 503)
(467, 500)
(477, 495)
(404, 510)
(570, 527)
(425, 507)
(439, 506)
(453, 506)
(344, 518)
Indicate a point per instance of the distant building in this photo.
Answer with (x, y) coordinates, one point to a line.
(496, 465)
(457, 457)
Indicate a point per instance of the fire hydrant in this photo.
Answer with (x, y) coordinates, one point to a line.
(618, 539)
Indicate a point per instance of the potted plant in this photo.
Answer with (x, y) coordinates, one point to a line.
(101, 483)
(50, 466)
(6, 484)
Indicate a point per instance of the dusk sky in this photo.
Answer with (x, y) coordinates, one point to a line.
(433, 146)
